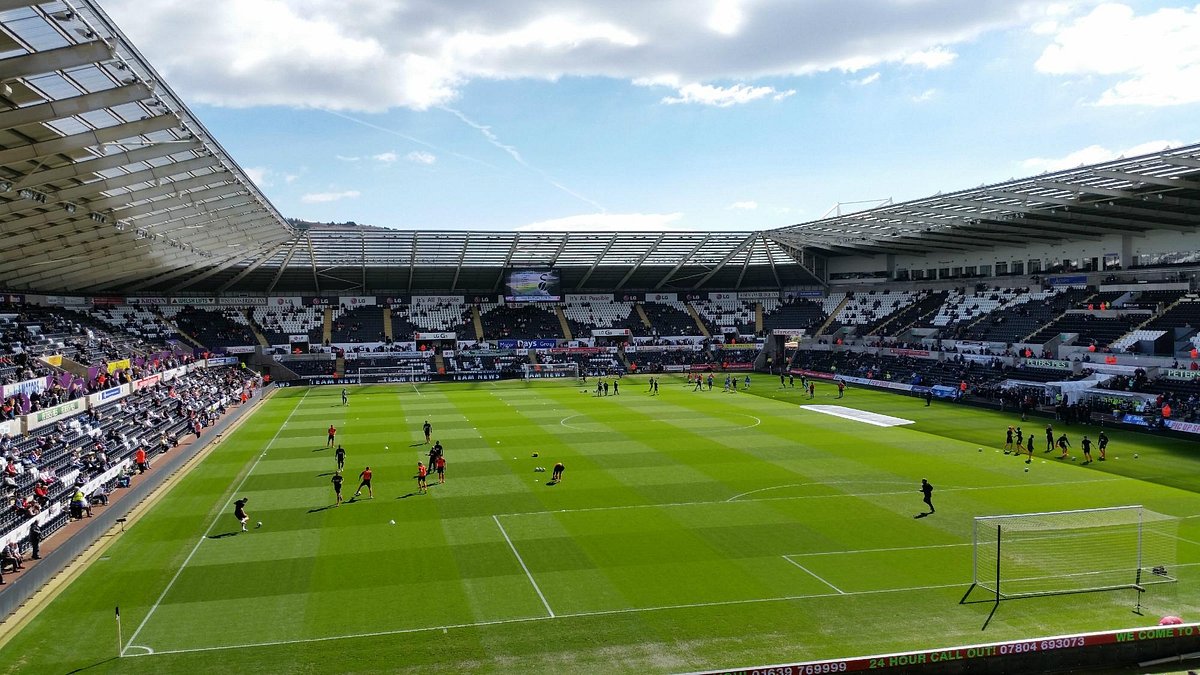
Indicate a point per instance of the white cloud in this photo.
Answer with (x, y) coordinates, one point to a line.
(421, 157)
(344, 158)
(1155, 58)
(323, 197)
(937, 57)
(924, 96)
(1093, 154)
(726, 17)
(748, 205)
(723, 97)
(870, 79)
(259, 175)
(291, 178)
(365, 55)
(385, 157)
(608, 222)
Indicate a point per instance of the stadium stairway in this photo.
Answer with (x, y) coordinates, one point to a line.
(758, 318)
(439, 363)
(1059, 317)
(339, 366)
(832, 315)
(387, 323)
(477, 321)
(258, 334)
(645, 319)
(327, 327)
(696, 317)
(562, 322)
(175, 327)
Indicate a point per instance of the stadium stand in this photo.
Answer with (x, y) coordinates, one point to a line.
(737, 314)
(1098, 331)
(582, 317)
(216, 328)
(277, 323)
(800, 312)
(525, 321)
(670, 318)
(358, 324)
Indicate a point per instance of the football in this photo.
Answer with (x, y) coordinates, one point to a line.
(1135, 456)
(259, 524)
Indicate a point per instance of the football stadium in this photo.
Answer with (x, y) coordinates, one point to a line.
(957, 433)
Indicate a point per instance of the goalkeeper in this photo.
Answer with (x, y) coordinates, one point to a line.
(927, 490)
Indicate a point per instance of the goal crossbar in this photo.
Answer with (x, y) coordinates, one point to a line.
(1075, 551)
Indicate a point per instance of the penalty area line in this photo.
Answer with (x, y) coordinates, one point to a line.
(524, 567)
(815, 575)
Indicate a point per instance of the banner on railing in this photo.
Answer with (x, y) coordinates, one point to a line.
(27, 387)
(661, 297)
(353, 301)
(147, 300)
(108, 395)
(588, 297)
(611, 332)
(758, 295)
(146, 382)
(41, 418)
(242, 301)
(435, 336)
(789, 332)
(195, 302)
(297, 338)
(221, 361)
(1185, 427)
(1052, 364)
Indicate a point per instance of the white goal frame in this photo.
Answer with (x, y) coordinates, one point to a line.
(1077, 551)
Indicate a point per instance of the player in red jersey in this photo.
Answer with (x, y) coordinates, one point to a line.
(332, 433)
(365, 477)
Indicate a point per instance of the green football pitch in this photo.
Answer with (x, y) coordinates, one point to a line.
(691, 531)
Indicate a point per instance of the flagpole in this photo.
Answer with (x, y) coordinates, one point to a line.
(119, 648)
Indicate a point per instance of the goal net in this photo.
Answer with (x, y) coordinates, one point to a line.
(1053, 553)
(540, 371)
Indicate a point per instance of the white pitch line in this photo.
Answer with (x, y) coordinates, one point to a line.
(204, 536)
(876, 550)
(417, 390)
(814, 575)
(835, 482)
(573, 615)
(797, 497)
(524, 567)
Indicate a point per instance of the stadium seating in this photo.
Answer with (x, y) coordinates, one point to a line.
(670, 318)
(358, 324)
(582, 317)
(800, 312)
(865, 311)
(525, 321)
(1129, 339)
(738, 314)
(216, 328)
(277, 323)
(1099, 331)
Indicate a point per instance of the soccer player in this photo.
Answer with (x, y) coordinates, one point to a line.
(927, 490)
(650, 387)
(1102, 444)
(337, 486)
(422, 472)
(710, 381)
(1049, 438)
(440, 465)
(1008, 440)
(365, 477)
(616, 388)
(1020, 440)
(340, 456)
(699, 383)
(747, 383)
(1064, 444)
(239, 512)
(656, 387)
(782, 380)
(428, 429)
(727, 380)
(791, 380)
(812, 390)
(841, 389)
(332, 433)
(1029, 450)
(556, 477)
(928, 397)
(1086, 445)
(345, 397)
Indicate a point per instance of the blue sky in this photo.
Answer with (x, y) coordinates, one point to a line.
(653, 114)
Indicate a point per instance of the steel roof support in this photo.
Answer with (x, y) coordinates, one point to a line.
(266, 255)
(51, 60)
(75, 105)
(312, 256)
(87, 139)
(683, 261)
(1175, 183)
(190, 281)
(91, 166)
(588, 275)
(461, 258)
(283, 265)
(637, 265)
(724, 261)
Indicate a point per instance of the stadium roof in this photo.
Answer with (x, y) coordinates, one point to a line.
(105, 176)
(109, 183)
(1125, 196)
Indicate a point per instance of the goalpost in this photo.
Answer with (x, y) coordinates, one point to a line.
(540, 371)
(1060, 552)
